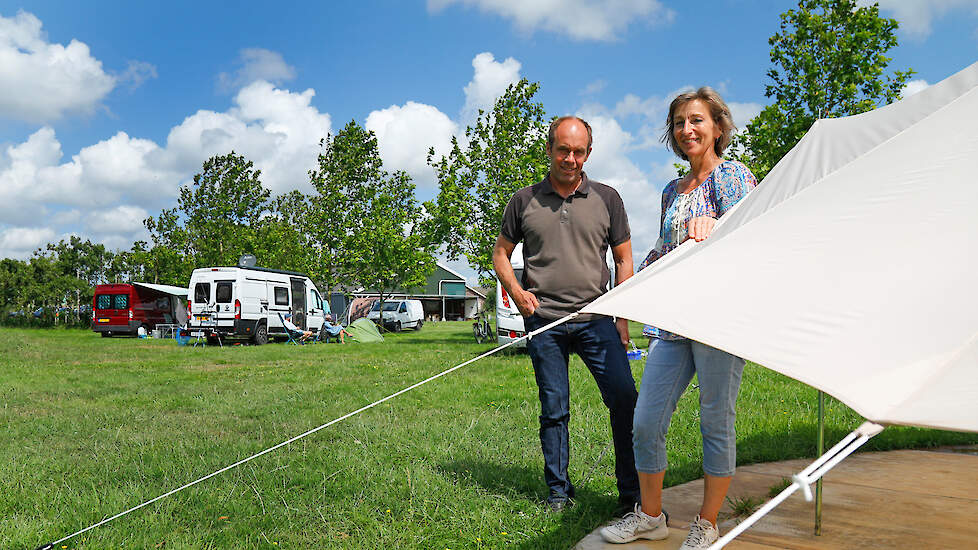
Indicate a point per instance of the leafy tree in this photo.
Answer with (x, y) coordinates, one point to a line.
(284, 234)
(349, 171)
(13, 274)
(391, 251)
(504, 152)
(829, 61)
(123, 267)
(366, 224)
(222, 209)
(216, 220)
(77, 267)
(56, 281)
(169, 260)
(42, 287)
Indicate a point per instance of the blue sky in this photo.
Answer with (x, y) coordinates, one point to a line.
(107, 107)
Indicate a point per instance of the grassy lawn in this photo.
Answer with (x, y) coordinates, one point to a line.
(91, 427)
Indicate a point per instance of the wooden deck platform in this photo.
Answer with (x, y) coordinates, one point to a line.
(896, 499)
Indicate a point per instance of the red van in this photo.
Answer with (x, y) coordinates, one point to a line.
(123, 308)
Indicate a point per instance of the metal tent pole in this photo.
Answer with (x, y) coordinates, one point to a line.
(821, 451)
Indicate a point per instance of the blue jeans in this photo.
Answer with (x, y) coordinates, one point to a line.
(599, 346)
(668, 370)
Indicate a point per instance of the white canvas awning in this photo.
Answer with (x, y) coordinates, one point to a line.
(168, 289)
(852, 267)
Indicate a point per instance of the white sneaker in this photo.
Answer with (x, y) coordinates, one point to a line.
(636, 525)
(701, 535)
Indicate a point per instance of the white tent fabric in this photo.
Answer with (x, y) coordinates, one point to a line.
(852, 267)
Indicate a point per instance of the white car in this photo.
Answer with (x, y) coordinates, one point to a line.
(399, 314)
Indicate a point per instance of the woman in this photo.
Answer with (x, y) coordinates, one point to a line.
(698, 128)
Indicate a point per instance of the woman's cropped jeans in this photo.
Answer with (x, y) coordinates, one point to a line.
(669, 368)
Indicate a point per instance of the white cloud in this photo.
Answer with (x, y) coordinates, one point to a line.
(117, 228)
(912, 87)
(664, 172)
(21, 242)
(490, 81)
(916, 16)
(404, 135)
(257, 64)
(122, 178)
(136, 73)
(121, 219)
(594, 87)
(579, 19)
(650, 107)
(19, 188)
(742, 113)
(651, 112)
(277, 129)
(42, 82)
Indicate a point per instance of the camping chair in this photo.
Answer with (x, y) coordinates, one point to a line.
(326, 336)
(292, 334)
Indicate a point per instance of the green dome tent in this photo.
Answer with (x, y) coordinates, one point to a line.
(363, 330)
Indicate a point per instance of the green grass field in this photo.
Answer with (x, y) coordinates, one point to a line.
(92, 427)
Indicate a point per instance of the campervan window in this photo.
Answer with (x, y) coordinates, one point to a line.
(202, 293)
(315, 300)
(120, 301)
(103, 301)
(223, 292)
(281, 296)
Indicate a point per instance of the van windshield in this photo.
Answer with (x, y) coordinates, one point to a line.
(388, 306)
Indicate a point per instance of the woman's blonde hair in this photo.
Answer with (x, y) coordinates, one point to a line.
(718, 110)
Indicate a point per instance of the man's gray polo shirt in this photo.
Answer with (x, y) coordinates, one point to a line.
(565, 242)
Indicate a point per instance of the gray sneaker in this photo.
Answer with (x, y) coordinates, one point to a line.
(636, 525)
(701, 535)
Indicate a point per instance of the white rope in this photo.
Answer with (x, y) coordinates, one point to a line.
(806, 477)
(316, 429)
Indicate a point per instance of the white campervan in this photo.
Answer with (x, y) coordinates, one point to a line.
(247, 302)
(399, 314)
(509, 321)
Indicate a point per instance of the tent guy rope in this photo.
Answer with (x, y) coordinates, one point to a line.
(528, 336)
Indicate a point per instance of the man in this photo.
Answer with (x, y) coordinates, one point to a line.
(567, 223)
(290, 326)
